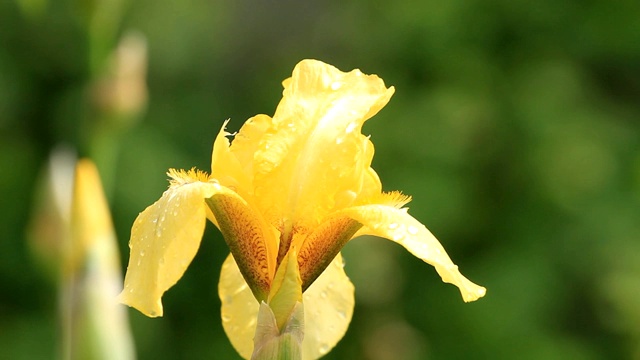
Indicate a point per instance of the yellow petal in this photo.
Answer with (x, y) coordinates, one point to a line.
(239, 310)
(164, 240)
(251, 240)
(397, 225)
(313, 159)
(328, 306)
(226, 168)
(247, 140)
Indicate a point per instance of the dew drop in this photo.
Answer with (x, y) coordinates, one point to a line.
(342, 314)
(339, 141)
(352, 126)
(158, 231)
(141, 252)
(324, 348)
(393, 226)
(336, 85)
(412, 230)
(323, 294)
(398, 236)
(226, 317)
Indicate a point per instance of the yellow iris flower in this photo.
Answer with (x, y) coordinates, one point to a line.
(301, 180)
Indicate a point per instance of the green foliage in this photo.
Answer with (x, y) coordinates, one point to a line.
(514, 127)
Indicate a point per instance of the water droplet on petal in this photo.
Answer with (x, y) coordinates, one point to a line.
(412, 230)
(141, 252)
(398, 236)
(336, 85)
(352, 126)
(339, 141)
(393, 226)
(226, 317)
(324, 348)
(323, 294)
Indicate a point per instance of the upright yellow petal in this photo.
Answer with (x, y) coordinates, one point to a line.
(328, 305)
(313, 158)
(397, 225)
(226, 168)
(247, 140)
(164, 240)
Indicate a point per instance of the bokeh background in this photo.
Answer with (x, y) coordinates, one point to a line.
(515, 126)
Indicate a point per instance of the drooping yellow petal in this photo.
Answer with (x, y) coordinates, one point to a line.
(328, 303)
(164, 240)
(313, 158)
(251, 240)
(239, 310)
(397, 225)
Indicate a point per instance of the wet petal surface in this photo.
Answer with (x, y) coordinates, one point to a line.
(397, 225)
(164, 240)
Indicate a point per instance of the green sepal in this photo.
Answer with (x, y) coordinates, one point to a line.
(272, 344)
(286, 289)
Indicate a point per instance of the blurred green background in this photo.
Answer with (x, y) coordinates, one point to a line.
(515, 126)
